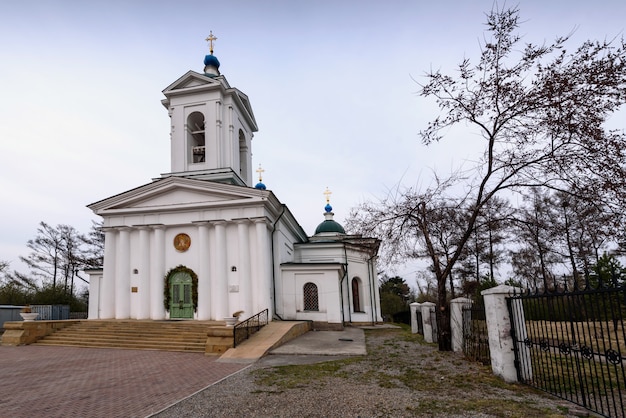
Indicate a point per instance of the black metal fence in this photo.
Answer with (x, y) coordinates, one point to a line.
(420, 323)
(572, 343)
(247, 328)
(475, 336)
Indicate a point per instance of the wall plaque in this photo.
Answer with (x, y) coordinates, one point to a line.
(182, 242)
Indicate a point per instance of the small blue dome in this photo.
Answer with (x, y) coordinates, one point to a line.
(260, 186)
(328, 208)
(212, 61)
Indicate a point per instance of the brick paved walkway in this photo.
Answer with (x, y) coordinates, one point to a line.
(80, 382)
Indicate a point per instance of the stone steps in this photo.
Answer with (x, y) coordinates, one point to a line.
(210, 337)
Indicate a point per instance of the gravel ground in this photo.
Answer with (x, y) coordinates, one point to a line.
(401, 376)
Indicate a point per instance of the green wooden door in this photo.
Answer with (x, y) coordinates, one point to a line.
(181, 304)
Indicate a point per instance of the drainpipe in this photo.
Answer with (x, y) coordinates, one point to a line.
(273, 260)
(372, 288)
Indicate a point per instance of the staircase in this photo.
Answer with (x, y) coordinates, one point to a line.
(189, 336)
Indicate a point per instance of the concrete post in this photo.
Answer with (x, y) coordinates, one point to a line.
(426, 320)
(456, 321)
(413, 308)
(501, 342)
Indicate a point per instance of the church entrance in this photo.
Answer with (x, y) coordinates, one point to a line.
(181, 303)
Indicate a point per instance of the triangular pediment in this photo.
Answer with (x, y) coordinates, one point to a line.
(176, 193)
(193, 80)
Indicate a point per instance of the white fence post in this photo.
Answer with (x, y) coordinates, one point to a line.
(426, 321)
(501, 342)
(414, 307)
(456, 321)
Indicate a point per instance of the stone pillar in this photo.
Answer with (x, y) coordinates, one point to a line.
(219, 282)
(245, 281)
(143, 311)
(501, 342)
(157, 273)
(414, 308)
(204, 272)
(122, 275)
(107, 297)
(426, 320)
(95, 292)
(456, 321)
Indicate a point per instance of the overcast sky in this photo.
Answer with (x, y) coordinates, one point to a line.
(332, 84)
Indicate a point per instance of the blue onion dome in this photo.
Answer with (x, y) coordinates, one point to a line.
(328, 208)
(211, 60)
(260, 184)
(211, 63)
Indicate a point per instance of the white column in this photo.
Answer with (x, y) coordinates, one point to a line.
(122, 275)
(501, 342)
(245, 280)
(107, 298)
(456, 321)
(143, 311)
(95, 294)
(157, 273)
(265, 263)
(413, 307)
(426, 320)
(204, 267)
(219, 279)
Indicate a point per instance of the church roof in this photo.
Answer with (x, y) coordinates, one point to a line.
(193, 82)
(329, 226)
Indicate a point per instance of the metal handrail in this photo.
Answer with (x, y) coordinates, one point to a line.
(247, 328)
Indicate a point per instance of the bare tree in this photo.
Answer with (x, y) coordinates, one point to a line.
(56, 256)
(539, 110)
(536, 252)
(94, 251)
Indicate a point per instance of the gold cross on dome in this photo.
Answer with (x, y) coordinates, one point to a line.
(260, 171)
(327, 193)
(210, 40)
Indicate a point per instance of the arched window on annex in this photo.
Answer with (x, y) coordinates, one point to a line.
(311, 299)
(356, 295)
(196, 138)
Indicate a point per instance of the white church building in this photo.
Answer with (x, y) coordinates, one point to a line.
(203, 241)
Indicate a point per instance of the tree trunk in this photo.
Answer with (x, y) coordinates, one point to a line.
(444, 332)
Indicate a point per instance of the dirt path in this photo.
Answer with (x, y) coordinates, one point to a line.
(399, 377)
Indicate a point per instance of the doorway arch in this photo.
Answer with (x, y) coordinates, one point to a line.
(181, 293)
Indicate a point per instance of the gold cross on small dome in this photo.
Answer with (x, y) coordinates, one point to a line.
(327, 193)
(260, 171)
(210, 40)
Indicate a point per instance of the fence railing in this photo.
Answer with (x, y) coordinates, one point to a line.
(250, 326)
(475, 335)
(575, 345)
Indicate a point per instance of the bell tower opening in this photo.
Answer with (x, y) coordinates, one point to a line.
(244, 169)
(196, 139)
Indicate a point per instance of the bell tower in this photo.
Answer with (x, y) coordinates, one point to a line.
(212, 126)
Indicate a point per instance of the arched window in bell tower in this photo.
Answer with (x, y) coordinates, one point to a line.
(195, 137)
(243, 157)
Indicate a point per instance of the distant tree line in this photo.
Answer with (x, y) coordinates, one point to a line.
(57, 255)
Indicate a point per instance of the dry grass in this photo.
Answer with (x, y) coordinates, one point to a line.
(401, 376)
